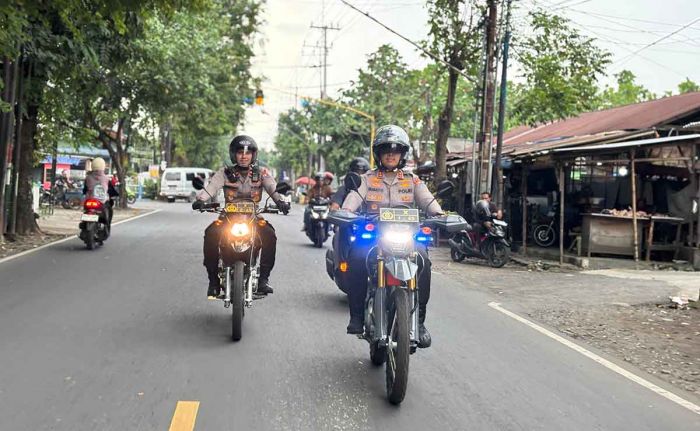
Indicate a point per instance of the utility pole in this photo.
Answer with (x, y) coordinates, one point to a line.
(502, 110)
(489, 96)
(324, 74)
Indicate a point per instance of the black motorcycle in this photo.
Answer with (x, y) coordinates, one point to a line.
(318, 227)
(239, 266)
(94, 227)
(391, 305)
(491, 245)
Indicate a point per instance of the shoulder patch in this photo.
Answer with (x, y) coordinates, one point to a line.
(416, 180)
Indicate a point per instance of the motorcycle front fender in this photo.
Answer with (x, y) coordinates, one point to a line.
(400, 268)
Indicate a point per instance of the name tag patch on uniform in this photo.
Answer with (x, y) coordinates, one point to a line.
(406, 191)
(375, 197)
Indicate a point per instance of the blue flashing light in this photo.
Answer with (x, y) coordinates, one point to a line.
(423, 238)
(367, 235)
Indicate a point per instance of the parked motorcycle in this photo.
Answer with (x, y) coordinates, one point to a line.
(318, 227)
(391, 316)
(545, 234)
(93, 226)
(239, 266)
(491, 245)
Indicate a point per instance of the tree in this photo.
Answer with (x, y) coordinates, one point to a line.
(561, 68)
(457, 41)
(688, 86)
(627, 92)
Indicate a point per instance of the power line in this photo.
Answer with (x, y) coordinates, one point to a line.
(658, 40)
(420, 48)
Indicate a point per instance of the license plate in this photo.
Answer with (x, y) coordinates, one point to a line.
(399, 215)
(89, 217)
(240, 207)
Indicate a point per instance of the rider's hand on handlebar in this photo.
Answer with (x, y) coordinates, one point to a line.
(197, 205)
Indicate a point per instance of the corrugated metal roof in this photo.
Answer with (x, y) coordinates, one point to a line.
(640, 142)
(638, 116)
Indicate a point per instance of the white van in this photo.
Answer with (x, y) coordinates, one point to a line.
(177, 182)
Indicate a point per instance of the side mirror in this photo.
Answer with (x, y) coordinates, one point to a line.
(445, 189)
(352, 181)
(282, 188)
(198, 183)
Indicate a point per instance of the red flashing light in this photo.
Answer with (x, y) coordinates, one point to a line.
(426, 230)
(369, 227)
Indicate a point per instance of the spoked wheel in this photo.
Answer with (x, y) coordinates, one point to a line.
(399, 348)
(498, 254)
(318, 236)
(237, 292)
(544, 235)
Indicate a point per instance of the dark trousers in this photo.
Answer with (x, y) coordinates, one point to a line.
(357, 280)
(266, 239)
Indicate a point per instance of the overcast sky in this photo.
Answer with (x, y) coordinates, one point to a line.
(287, 57)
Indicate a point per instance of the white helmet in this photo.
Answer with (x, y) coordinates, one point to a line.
(98, 164)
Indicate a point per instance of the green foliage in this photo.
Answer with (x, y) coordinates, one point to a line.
(627, 92)
(688, 86)
(561, 68)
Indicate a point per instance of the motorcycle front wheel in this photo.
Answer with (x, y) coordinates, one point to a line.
(237, 292)
(544, 235)
(399, 348)
(318, 236)
(131, 200)
(498, 254)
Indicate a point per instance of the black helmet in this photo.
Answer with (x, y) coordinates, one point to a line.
(242, 142)
(359, 165)
(390, 138)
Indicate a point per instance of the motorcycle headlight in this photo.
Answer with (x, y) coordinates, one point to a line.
(315, 215)
(240, 229)
(397, 237)
(324, 215)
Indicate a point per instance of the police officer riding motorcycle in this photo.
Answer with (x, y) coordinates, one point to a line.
(388, 186)
(341, 239)
(244, 180)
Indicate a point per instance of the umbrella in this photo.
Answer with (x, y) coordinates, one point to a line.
(305, 180)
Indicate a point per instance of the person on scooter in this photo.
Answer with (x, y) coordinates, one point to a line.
(97, 186)
(388, 186)
(484, 212)
(321, 189)
(244, 180)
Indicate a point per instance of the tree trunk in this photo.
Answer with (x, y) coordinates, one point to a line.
(444, 123)
(26, 222)
(118, 155)
(427, 129)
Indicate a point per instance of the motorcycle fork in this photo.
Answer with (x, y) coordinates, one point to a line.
(413, 306)
(380, 304)
(227, 295)
(252, 283)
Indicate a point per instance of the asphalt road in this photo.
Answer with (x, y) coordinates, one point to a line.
(112, 339)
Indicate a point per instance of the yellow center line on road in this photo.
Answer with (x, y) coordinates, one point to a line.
(185, 416)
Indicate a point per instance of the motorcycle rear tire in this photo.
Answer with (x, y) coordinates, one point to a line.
(237, 292)
(397, 360)
(90, 230)
(498, 254)
(131, 200)
(456, 255)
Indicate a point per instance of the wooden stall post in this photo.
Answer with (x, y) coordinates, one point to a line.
(561, 214)
(634, 207)
(524, 194)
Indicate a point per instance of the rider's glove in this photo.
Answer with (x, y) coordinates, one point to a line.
(284, 207)
(197, 205)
